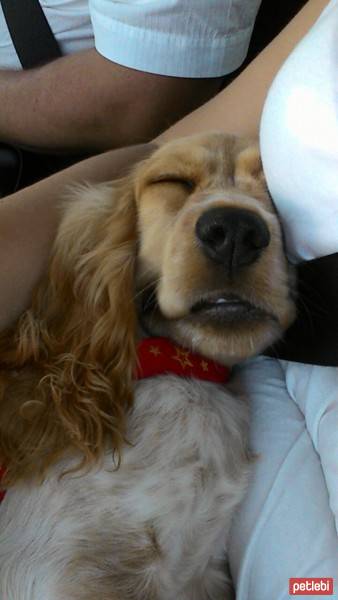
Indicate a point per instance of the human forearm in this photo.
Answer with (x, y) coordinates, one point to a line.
(239, 107)
(86, 102)
(63, 105)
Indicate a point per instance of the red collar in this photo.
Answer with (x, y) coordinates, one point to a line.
(157, 356)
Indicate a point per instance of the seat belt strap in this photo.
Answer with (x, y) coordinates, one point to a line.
(313, 338)
(30, 31)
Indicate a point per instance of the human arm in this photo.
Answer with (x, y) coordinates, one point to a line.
(86, 102)
(238, 108)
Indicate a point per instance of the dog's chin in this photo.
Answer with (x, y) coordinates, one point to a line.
(226, 329)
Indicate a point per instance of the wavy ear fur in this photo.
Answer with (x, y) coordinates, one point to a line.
(76, 344)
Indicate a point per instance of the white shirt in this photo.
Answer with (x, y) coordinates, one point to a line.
(299, 141)
(184, 38)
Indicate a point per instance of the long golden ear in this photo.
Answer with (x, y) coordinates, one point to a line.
(79, 336)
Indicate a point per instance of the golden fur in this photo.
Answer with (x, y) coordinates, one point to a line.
(66, 379)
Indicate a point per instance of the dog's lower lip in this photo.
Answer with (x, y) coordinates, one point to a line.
(222, 303)
(227, 310)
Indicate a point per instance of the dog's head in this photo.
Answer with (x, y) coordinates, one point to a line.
(210, 256)
(190, 246)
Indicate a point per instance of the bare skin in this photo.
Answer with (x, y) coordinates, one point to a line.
(239, 107)
(86, 102)
(29, 218)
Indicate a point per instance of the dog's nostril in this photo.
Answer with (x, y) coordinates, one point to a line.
(231, 236)
(257, 237)
(213, 234)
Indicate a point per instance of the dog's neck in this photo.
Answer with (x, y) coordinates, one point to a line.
(160, 356)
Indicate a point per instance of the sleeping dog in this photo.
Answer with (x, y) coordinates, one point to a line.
(126, 453)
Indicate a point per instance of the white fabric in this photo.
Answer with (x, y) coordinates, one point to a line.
(315, 391)
(288, 524)
(286, 527)
(299, 141)
(184, 38)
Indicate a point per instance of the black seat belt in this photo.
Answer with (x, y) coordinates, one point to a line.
(313, 338)
(30, 31)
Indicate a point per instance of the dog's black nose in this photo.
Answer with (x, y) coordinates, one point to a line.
(234, 237)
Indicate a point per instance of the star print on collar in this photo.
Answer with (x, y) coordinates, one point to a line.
(159, 356)
(155, 350)
(182, 356)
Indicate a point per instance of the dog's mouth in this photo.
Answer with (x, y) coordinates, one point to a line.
(228, 308)
(222, 308)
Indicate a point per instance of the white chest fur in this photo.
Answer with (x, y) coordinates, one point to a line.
(155, 529)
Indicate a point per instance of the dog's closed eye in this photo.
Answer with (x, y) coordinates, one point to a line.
(187, 183)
